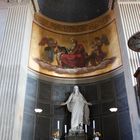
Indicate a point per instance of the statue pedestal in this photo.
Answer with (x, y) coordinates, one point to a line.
(76, 137)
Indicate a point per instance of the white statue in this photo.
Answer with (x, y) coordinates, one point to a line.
(78, 106)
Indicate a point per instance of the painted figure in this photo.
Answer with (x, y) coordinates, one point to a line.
(75, 58)
(78, 106)
(48, 51)
(97, 55)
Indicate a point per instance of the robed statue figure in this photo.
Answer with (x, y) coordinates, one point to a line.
(78, 106)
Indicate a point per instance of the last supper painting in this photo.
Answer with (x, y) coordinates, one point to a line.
(79, 53)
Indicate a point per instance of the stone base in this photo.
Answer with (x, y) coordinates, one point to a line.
(84, 137)
(78, 132)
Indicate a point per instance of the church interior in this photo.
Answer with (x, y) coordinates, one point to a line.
(49, 47)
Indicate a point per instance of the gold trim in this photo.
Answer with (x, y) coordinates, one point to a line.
(74, 28)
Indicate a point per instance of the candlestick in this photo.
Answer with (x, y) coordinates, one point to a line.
(65, 129)
(58, 125)
(85, 128)
(93, 124)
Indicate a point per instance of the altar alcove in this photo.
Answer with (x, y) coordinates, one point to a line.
(91, 25)
(103, 94)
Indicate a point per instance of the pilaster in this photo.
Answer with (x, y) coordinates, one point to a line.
(16, 25)
(127, 16)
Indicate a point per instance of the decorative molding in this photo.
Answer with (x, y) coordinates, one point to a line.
(74, 28)
(76, 80)
(35, 5)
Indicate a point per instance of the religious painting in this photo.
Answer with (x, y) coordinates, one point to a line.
(74, 50)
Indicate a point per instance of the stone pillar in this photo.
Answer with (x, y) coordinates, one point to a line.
(128, 23)
(15, 30)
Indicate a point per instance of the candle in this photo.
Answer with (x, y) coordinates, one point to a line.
(96, 138)
(65, 129)
(85, 128)
(93, 124)
(58, 125)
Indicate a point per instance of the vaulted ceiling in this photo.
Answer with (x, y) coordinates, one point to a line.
(73, 10)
